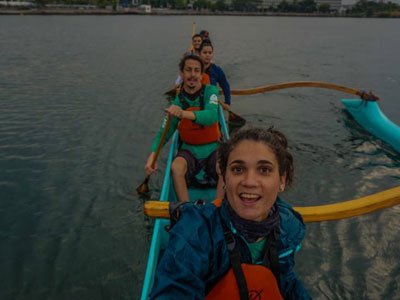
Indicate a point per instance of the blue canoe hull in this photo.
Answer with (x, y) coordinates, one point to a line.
(371, 118)
(159, 238)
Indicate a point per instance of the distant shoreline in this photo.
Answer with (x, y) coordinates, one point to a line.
(171, 12)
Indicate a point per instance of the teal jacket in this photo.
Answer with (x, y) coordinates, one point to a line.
(197, 256)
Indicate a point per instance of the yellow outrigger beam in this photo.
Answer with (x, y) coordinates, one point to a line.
(328, 212)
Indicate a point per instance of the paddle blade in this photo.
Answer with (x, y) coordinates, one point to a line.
(235, 122)
(144, 187)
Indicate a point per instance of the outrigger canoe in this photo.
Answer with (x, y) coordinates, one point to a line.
(366, 113)
(159, 239)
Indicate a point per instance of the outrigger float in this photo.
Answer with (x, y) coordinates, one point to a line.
(365, 111)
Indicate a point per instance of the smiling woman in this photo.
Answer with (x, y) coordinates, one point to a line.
(246, 244)
(252, 173)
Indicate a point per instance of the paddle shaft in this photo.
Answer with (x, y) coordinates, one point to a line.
(193, 31)
(224, 106)
(161, 143)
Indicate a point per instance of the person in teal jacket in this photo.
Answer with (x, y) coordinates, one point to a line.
(252, 227)
(194, 112)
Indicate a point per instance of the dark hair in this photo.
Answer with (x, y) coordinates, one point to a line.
(271, 137)
(205, 43)
(197, 35)
(204, 33)
(193, 57)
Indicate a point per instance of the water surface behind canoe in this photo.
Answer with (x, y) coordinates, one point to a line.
(81, 99)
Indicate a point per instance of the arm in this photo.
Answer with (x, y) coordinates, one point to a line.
(178, 112)
(209, 115)
(204, 117)
(224, 84)
(163, 135)
(171, 130)
(185, 263)
(148, 167)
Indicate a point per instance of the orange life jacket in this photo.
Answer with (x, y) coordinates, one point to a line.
(261, 284)
(252, 282)
(205, 80)
(195, 134)
(218, 202)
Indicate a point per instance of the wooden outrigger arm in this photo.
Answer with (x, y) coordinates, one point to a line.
(328, 212)
(317, 84)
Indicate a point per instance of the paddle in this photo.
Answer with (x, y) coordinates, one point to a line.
(234, 120)
(193, 31)
(144, 187)
(328, 212)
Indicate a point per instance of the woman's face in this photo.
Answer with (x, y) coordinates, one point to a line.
(207, 54)
(252, 180)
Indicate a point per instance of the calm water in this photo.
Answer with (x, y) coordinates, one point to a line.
(81, 99)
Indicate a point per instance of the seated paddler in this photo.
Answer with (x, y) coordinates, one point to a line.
(194, 112)
(243, 246)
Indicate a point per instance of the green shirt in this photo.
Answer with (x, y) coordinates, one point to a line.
(257, 251)
(205, 117)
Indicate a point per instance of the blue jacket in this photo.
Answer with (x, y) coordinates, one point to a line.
(218, 76)
(197, 256)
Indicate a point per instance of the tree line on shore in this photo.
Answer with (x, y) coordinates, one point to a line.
(361, 8)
